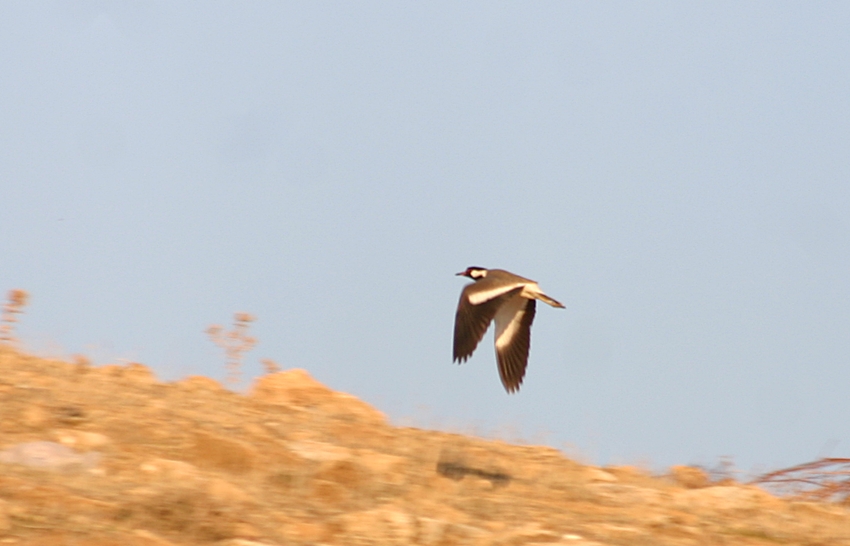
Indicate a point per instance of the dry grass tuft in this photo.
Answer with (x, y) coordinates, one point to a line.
(17, 300)
(235, 343)
(270, 366)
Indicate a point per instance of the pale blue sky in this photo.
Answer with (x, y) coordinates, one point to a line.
(675, 172)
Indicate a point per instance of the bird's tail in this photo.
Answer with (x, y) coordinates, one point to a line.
(546, 299)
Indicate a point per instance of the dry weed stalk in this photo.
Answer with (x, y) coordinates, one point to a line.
(826, 479)
(270, 366)
(723, 472)
(235, 343)
(17, 300)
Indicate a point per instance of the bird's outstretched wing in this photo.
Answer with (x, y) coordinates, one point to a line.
(471, 321)
(513, 339)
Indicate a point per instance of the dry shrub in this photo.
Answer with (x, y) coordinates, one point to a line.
(270, 366)
(17, 300)
(235, 343)
(826, 479)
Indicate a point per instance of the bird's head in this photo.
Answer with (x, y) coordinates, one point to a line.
(474, 273)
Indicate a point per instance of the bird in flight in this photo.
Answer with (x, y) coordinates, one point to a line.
(510, 300)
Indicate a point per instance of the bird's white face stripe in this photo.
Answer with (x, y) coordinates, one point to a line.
(478, 273)
(480, 296)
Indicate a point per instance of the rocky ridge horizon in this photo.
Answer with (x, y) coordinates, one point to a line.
(109, 455)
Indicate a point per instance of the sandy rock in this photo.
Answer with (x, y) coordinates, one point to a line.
(384, 525)
(385, 468)
(439, 509)
(245, 530)
(243, 542)
(255, 430)
(169, 469)
(215, 452)
(530, 533)
(304, 531)
(433, 531)
(5, 517)
(594, 474)
(725, 498)
(224, 492)
(48, 456)
(319, 451)
(462, 534)
(36, 417)
(291, 387)
(690, 477)
(138, 373)
(328, 494)
(80, 439)
(572, 539)
(151, 539)
(822, 509)
(430, 531)
(297, 388)
(196, 383)
(628, 472)
(108, 370)
(615, 494)
(348, 474)
(621, 534)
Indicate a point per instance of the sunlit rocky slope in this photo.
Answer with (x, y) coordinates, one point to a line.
(111, 456)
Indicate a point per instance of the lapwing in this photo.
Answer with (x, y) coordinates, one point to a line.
(510, 300)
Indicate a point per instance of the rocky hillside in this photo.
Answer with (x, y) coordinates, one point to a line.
(108, 455)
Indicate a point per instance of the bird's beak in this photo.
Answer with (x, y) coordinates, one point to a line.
(459, 274)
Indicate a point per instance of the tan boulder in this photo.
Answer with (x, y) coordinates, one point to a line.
(138, 373)
(382, 525)
(80, 439)
(726, 498)
(594, 474)
(213, 452)
(526, 534)
(297, 388)
(690, 477)
(195, 383)
(169, 469)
